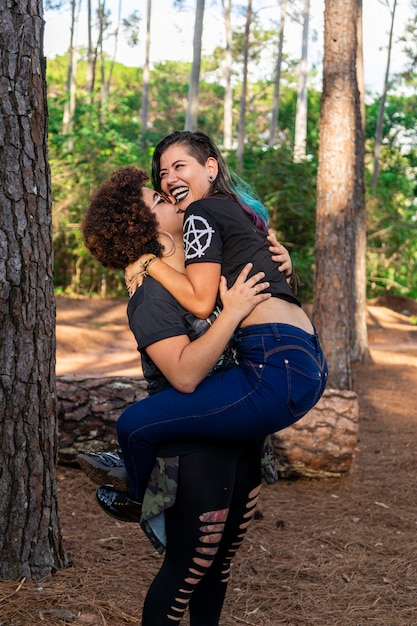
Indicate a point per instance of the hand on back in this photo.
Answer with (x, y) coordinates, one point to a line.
(245, 294)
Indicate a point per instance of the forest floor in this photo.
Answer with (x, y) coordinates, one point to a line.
(335, 552)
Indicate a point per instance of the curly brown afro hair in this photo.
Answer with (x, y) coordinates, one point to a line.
(118, 226)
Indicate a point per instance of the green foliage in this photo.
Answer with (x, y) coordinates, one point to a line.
(399, 124)
(392, 210)
(97, 148)
(106, 137)
(288, 190)
(169, 89)
(131, 28)
(56, 75)
(392, 236)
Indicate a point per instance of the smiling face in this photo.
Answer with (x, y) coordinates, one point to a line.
(183, 177)
(169, 217)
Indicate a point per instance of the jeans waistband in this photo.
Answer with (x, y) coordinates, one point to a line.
(276, 330)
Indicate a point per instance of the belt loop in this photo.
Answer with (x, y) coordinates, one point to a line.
(277, 334)
(317, 340)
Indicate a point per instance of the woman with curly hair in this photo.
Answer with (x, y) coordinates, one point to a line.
(218, 482)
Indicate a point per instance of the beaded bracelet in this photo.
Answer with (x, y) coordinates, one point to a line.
(147, 263)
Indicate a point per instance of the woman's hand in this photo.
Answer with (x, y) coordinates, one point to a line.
(134, 274)
(246, 293)
(280, 255)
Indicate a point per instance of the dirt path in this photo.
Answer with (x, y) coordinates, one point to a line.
(93, 338)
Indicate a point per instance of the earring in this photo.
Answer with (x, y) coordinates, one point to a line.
(210, 178)
(171, 238)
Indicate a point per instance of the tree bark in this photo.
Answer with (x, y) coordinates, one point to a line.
(88, 409)
(337, 221)
(193, 91)
(360, 346)
(360, 70)
(323, 443)
(30, 538)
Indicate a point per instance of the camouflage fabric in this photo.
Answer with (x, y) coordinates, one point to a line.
(162, 488)
(160, 495)
(268, 469)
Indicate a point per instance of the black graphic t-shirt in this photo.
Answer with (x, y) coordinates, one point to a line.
(218, 230)
(153, 315)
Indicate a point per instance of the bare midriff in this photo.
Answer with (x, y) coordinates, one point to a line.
(278, 311)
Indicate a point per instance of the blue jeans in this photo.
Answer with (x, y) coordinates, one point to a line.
(281, 376)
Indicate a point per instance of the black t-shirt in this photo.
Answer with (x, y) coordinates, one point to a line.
(153, 315)
(218, 230)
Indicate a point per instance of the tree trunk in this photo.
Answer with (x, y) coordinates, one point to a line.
(336, 195)
(275, 98)
(30, 538)
(91, 57)
(379, 124)
(146, 75)
(88, 410)
(70, 103)
(103, 85)
(360, 347)
(242, 107)
(228, 92)
(360, 71)
(322, 444)
(193, 91)
(113, 60)
(301, 112)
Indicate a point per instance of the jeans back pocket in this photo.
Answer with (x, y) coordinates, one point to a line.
(306, 381)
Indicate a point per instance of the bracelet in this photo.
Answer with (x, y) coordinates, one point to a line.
(147, 263)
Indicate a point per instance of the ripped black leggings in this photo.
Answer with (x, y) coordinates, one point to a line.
(218, 488)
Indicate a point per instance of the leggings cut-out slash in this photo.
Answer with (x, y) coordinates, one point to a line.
(218, 488)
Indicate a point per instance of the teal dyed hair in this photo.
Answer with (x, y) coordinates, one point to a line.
(201, 147)
(248, 198)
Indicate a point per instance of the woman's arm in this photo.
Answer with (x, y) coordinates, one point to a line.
(196, 291)
(184, 363)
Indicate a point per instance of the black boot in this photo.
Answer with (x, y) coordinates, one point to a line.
(119, 504)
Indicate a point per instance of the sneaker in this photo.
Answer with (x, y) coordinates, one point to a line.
(104, 467)
(119, 504)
